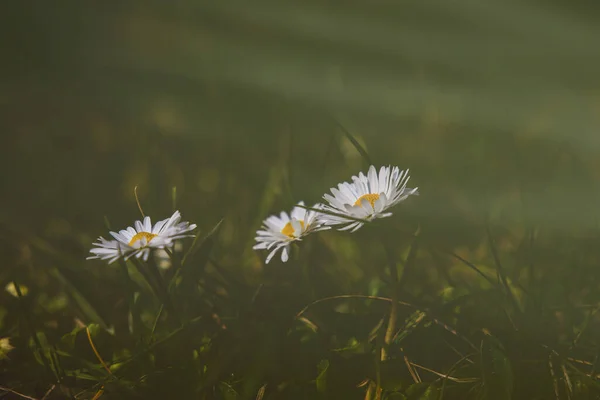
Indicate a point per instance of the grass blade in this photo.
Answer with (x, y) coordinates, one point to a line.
(497, 371)
(361, 150)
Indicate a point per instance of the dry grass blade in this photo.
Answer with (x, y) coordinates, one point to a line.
(359, 296)
(137, 200)
(309, 323)
(583, 362)
(9, 390)
(451, 370)
(410, 326)
(413, 373)
(567, 381)
(554, 380)
(49, 391)
(445, 376)
(261, 392)
(174, 198)
(98, 394)
(454, 332)
(98, 356)
(350, 296)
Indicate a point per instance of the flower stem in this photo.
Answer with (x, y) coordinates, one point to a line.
(152, 275)
(391, 326)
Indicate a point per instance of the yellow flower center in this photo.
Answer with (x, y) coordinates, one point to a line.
(142, 235)
(371, 198)
(288, 229)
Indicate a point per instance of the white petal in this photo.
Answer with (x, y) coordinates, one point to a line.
(379, 204)
(285, 254)
(343, 194)
(361, 185)
(147, 224)
(373, 180)
(383, 174)
(299, 212)
(158, 226)
(366, 205)
(284, 217)
(357, 227)
(297, 227)
(272, 253)
(352, 192)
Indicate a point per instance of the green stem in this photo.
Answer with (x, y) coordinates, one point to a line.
(345, 216)
(397, 287)
(159, 342)
(130, 296)
(472, 266)
(500, 270)
(164, 291)
(361, 150)
(391, 326)
(160, 311)
(152, 275)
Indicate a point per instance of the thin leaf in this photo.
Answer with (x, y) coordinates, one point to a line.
(497, 372)
(345, 216)
(228, 392)
(502, 272)
(321, 381)
(206, 242)
(422, 391)
(85, 306)
(361, 150)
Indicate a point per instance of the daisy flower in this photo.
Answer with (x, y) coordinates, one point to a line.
(367, 197)
(279, 231)
(142, 238)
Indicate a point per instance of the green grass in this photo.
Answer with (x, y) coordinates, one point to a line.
(485, 286)
(406, 317)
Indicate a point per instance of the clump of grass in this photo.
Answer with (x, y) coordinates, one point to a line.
(411, 318)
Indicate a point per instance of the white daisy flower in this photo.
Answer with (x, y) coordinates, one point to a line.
(367, 197)
(142, 238)
(278, 232)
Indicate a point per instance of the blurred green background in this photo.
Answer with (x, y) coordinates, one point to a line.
(494, 106)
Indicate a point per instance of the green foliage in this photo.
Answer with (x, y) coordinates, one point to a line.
(422, 391)
(485, 286)
(497, 373)
(321, 381)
